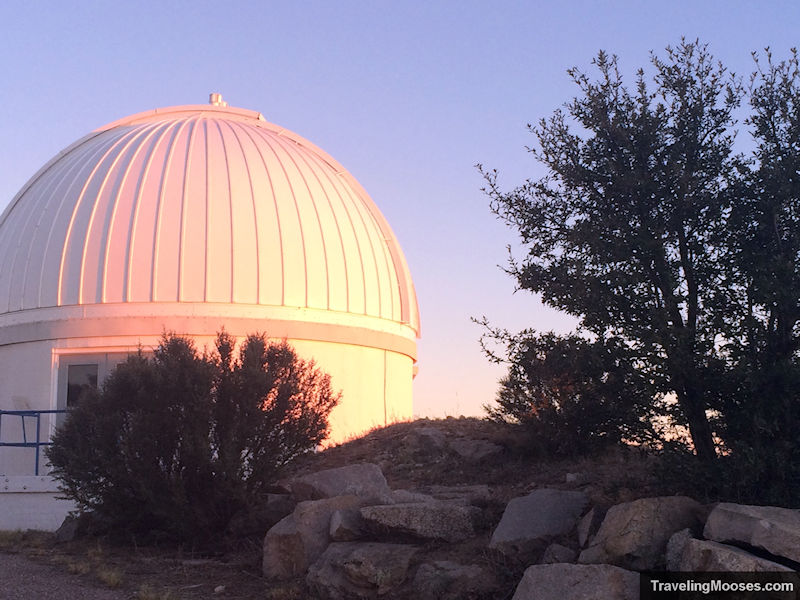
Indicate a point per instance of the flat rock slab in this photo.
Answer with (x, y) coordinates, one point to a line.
(774, 529)
(634, 534)
(348, 570)
(364, 479)
(529, 522)
(577, 582)
(702, 555)
(445, 521)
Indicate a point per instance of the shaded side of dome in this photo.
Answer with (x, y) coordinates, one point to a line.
(200, 204)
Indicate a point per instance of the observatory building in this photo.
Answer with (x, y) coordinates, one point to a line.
(189, 219)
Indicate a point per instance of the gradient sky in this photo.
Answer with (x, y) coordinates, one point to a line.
(407, 95)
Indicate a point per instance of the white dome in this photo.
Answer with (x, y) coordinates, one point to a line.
(200, 204)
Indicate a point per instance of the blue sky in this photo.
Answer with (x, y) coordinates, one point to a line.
(408, 96)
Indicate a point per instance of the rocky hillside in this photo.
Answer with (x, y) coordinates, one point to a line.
(457, 509)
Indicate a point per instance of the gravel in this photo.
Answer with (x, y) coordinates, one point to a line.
(21, 578)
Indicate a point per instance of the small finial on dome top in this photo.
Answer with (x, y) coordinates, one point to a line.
(215, 99)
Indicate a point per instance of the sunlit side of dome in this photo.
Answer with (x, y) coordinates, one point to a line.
(191, 219)
(200, 204)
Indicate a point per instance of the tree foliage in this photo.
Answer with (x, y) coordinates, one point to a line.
(576, 395)
(181, 442)
(655, 234)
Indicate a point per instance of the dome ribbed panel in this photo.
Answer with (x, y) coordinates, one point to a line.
(200, 205)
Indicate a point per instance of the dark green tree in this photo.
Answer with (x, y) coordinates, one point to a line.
(763, 244)
(179, 443)
(623, 231)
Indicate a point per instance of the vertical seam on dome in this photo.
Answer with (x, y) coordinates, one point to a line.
(71, 223)
(344, 198)
(105, 144)
(338, 227)
(183, 205)
(267, 140)
(299, 218)
(390, 270)
(405, 285)
(33, 208)
(137, 199)
(319, 225)
(357, 205)
(254, 206)
(277, 213)
(170, 151)
(113, 204)
(230, 207)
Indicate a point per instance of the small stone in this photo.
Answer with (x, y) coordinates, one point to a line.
(556, 553)
(575, 478)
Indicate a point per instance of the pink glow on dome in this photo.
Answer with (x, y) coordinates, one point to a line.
(200, 204)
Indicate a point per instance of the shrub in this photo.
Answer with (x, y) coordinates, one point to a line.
(572, 395)
(179, 443)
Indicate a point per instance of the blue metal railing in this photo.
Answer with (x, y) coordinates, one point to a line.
(28, 414)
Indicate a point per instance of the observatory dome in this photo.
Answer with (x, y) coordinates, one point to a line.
(193, 218)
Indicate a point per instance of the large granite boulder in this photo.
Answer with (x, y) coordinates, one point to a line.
(365, 480)
(776, 530)
(445, 521)
(352, 570)
(634, 534)
(577, 582)
(702, 555)
(529, 522)
(446, 580)
(299, 539)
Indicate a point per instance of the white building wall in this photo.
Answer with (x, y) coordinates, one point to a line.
(31, 503)
(25, 384)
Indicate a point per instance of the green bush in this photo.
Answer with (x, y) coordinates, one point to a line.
(180, 442)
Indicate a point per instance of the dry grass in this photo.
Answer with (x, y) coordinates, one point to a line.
(147, 592)
(110, 576)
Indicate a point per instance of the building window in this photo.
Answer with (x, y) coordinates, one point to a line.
(79, 379)
(77, 372)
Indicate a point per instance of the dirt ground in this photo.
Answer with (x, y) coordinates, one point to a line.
(125, 570)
